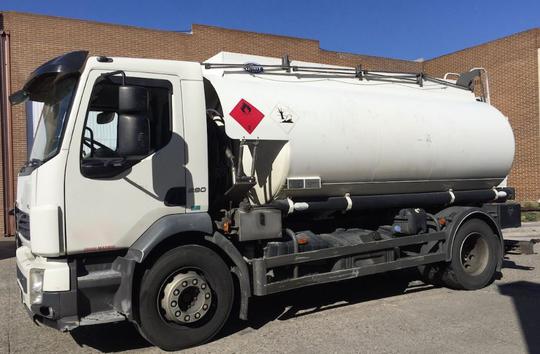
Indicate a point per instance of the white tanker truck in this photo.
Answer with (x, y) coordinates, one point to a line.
(161, 192)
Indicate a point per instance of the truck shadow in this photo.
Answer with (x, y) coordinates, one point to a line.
(512, 265)
(110, 337)
(524, 295)
(310, 300)
(7, 248)
(292, 304)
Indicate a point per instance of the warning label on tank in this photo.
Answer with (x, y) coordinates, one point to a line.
(285, 117)
(246, 115)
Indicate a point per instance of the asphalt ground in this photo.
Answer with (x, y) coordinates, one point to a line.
(389, 313)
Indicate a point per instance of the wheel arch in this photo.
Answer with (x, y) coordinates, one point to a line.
(166, 233)
(459, 216)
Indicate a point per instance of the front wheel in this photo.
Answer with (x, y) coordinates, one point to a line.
(185, 298)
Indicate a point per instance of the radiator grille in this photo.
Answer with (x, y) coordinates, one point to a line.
(22, 222)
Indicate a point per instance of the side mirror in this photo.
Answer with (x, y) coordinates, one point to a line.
(133, 121)
(105, 117)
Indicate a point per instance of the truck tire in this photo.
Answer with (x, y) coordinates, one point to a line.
(432, 273)
(185, 298)
(475, 256)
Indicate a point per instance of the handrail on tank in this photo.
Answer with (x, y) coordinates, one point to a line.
(485, 83)
(332, 72)
(476, 71)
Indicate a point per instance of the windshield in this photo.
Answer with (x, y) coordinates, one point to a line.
(53, 119)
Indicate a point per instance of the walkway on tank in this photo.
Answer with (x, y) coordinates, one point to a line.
(385, 314)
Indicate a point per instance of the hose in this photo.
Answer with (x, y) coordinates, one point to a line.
(292, 235)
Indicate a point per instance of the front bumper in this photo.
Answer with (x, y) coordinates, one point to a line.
(55, 302)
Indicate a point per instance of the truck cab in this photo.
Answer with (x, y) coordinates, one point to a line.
(110, 158)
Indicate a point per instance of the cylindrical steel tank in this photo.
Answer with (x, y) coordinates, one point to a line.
(328, 136)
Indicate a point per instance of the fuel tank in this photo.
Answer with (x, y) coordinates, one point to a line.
(322, 135)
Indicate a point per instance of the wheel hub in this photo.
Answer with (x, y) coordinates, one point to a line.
(186, 298)
(474, 253)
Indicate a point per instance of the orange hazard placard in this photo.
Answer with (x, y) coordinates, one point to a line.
(246, 115)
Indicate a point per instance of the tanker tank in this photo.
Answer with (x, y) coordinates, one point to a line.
(323, 135)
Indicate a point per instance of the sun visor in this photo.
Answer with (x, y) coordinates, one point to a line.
(18, 97)
(38, 81)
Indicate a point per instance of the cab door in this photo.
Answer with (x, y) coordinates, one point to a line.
(112, 207)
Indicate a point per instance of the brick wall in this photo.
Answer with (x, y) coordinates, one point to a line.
(512, 66)
(36, 39)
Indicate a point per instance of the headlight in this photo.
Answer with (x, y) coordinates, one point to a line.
(36, 285)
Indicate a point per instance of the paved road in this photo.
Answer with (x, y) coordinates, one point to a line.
(381, 314)
(528, 230)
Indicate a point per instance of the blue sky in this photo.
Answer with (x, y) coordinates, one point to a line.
(399, 29)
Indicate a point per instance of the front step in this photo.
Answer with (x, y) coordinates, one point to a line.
(102, 317)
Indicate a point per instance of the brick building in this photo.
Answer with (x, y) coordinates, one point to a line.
(28, 40)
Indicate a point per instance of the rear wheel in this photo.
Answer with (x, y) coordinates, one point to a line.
(185, 298)
(475, 255)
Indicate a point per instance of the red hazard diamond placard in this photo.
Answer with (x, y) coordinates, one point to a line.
(246, 115)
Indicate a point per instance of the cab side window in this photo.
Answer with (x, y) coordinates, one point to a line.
(101, 131)
(99, 143)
